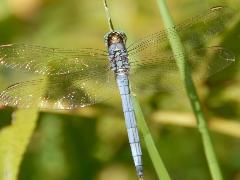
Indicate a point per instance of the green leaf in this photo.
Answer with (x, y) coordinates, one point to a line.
(14, 140)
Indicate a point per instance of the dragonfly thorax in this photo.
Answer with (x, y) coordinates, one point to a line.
(117, 52)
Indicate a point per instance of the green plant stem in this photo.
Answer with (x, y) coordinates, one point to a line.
(185, 72)
(152, 150)
(110, 24)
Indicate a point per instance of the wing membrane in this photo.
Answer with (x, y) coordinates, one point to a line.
(194, 32)
(160, 72)
(75, 78)
(51, 61)
(68, 91)
(153, 65)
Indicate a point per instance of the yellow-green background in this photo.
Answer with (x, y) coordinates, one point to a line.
(92, 143)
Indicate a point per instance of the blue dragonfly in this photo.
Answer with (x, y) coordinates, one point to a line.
(79, 78)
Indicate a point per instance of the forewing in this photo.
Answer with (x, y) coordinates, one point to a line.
(194, 33)
(50, 61)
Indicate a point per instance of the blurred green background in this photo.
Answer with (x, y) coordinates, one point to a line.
(92, 143)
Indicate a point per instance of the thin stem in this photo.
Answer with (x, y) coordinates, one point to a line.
(151, 147)
(185, 73)
(110, 24)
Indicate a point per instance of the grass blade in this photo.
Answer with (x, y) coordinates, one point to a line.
(14, 140)
(177, 49)
(152, 150)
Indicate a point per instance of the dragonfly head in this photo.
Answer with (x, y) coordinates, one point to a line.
(115, 37)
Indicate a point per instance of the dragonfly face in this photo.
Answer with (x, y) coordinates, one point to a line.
(117, 52)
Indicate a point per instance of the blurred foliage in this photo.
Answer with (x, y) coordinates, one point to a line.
(13, 147)
(92, 143)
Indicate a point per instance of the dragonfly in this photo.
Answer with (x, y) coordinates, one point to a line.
(79, 78)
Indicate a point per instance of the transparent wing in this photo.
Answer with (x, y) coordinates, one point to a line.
(50, 61)
(74, 78)
(153, 66)
(194, 32)
(70, 91)
(160, 73)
